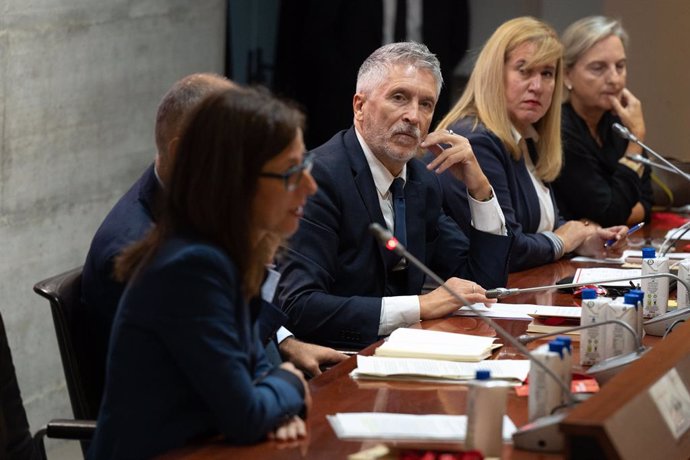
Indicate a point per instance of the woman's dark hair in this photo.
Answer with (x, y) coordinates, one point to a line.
(226, 142)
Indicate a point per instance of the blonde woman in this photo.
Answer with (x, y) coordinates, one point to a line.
(510, 112)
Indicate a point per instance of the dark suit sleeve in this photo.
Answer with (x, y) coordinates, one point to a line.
(529, 249)
(321, 310)
(207, 342)
(483, 257)
(587, 190)
(270, 319)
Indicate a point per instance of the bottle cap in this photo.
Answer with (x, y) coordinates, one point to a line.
(638, 292)
(589, 293)
(483, 374)
(556, 346)
(566, 341)
(631, 299)
(648, 253)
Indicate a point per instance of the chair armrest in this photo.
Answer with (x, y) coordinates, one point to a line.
(71, 429)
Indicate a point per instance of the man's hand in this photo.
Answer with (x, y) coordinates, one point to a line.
(307, 356)
(439, 303)
(453, 152)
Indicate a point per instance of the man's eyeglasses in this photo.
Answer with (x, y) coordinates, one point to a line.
(292, 177)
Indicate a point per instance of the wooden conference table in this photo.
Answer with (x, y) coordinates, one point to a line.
(334, 391)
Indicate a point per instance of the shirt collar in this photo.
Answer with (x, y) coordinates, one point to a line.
(382, 177)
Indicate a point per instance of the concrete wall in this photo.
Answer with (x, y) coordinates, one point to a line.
(79, 84)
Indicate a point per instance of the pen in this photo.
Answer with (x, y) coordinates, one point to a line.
(631, 230)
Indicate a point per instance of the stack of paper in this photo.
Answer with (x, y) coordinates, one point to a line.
(445, 428)
(374, 367)
(589, 275)
(548, 319)
(420, 343)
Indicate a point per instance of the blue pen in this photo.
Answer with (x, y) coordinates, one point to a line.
(631, 230)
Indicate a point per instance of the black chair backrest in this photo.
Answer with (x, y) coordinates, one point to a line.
(16, 442)
(83, 363)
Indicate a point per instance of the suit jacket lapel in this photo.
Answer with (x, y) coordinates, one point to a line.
(364, 182)
(528, 195)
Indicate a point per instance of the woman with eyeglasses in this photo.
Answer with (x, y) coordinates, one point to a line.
(184, 360)
(599, 181)
(510, 113)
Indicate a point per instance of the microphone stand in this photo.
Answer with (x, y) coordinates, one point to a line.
(543, 434)
(392, 244)
(501, 292)
(655, 326)
(526, 338)
(625, 133)
(645, 161)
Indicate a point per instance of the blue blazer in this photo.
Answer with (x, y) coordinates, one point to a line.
(335, 273)
(185, 361)
(514, 191)
(127, 222)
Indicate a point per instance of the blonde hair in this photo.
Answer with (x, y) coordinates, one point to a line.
(485, 97)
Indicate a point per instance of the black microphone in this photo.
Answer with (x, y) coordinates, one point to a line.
(625, 133)
(656, 326)
(543, 434)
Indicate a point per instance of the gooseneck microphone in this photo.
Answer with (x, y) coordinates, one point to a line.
(389, 242)
(625, 133)
(540, 435)
(526, 338)
(501, 292)
(656, 326)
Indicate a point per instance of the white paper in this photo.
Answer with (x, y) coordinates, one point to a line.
(673, 401)
(608, 260)
(427, 344)
(588, 275)
(409, 367)
(366, 425)
(500, 310)
(558, 312)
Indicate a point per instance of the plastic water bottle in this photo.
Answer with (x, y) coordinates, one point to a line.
(619, 340)
(592, 340)
(486, 405)
(655, 289)
(640, 313)
(567, 360)
(682, 296)
(545, 394)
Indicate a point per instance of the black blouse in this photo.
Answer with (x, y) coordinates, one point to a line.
(593, 184)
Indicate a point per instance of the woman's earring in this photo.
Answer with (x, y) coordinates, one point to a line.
(569, 87)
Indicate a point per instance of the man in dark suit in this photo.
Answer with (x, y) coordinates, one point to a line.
(338, 285)
(135, 213)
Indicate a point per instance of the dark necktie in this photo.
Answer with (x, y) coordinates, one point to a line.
(399, 210)
(400, 33)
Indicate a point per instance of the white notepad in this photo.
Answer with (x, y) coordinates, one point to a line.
(376, 425)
